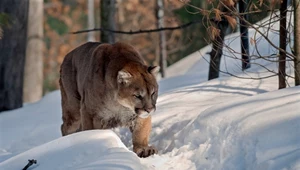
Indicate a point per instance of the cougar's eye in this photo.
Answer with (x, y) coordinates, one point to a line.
(138, 97)
(153, 94)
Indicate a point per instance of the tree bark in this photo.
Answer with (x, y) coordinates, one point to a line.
(12, 55)
(282, 45)
(218, 42)
(297, 41)
(33, 75)
(217, 50)
(162, 37)
(108, 20)
(244, 36)
(91, 20)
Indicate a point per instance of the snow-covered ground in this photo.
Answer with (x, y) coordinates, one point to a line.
(223, 124)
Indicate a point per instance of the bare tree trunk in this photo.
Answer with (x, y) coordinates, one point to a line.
(218, 42)
(244, 36)
(162, 38)
(33, 73)
(12, 55)
(297, 41)
(282, 45)
(217, 50)
(91, 20)
(108, 20)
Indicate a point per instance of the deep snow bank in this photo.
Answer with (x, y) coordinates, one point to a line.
(85, 150)
(260, 132)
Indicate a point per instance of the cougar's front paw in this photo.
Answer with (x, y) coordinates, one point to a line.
(146, 151)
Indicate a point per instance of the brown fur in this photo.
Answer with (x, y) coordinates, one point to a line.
(106, 86)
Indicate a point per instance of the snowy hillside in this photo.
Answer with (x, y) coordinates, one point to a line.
(205, 126)
(223, 124)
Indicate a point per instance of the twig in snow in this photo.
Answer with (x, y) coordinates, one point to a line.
(30, 162)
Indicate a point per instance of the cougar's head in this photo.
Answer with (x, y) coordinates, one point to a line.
(137, 89)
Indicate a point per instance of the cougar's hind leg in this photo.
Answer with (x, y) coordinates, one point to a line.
(70, 112)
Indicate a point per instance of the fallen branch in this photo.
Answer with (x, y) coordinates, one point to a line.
(30, 162)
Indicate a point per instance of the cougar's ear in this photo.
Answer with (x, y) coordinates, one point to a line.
(124, 77)
(153, 70)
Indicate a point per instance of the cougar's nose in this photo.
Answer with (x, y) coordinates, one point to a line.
(150, 109)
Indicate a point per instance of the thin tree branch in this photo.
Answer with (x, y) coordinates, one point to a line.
(139, 31)
(256, 29)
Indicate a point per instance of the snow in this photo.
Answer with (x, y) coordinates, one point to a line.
(240, 134)
(223, 124)
(88, 150)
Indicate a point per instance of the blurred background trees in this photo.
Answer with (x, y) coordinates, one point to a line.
(107, 21)
(297, 41)
(63, 17)
(12, 52)
(162, 37)
(33, 73)
(91, 20)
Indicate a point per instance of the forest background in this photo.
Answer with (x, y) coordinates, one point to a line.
(63, 17)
